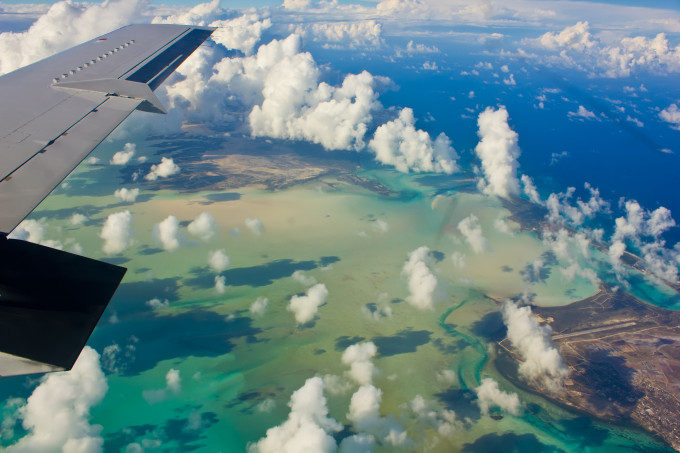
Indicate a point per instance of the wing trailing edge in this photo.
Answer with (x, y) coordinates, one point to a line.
(53, 114)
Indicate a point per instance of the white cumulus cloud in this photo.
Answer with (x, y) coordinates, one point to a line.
(583, 113)
(498, 150)
(127, 195)
(124, 156)
(204, 226)
(472, 232)
(400, 144)
(308, 427)
(671, 115)
(166, 168)
(167, 233)
(64, 25)
(218, 260)
(360, 359)
(220, 284)
(423, 285)
(255, 225)
(117, 232)
(259, 307)
(305, 307)
(56, 415)
(489, 395)
(77, 219)
(542, 363)
(173, 386)
(575, 46)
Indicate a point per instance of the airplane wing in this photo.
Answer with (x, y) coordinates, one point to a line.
(53, 113)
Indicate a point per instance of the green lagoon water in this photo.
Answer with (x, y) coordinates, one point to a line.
(238, 370)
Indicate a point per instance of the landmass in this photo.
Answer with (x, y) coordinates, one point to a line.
(270, 166)
(624, 361)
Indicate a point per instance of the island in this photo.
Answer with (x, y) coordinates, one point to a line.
(624, 361)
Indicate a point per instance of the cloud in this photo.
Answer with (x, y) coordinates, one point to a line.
(444, 422)
(201, 14)
(378, 310)
(583, 114)
(259, 307)
(364, 413)
(422, 283)
(447, 377)
(671, 115)
(255, 225)
(574, 270)
(156, 303)
(167, 233)
(458, 260)
(489, 395)
(220, 284)
(56, 415)
(241, 33)
(166, 168)
(127, 195)
(498, 151)
(115, 359)
(77, 219)
(640, 222)
(117, 232)
(644, 229)
(296, 5)
(308, 427)
(400, 144)
(357, 443)
(204, 226)
(472, 232)
(576, 37)
(30, 230)
(502, 226)
(364, 408)
(300, 277)
(124, 156)
(218, 260)
(281, 87)
(530, 190)
(360, 359)
(173, 386)
(353, 35)
(413, 48)
(542, 364)
(64, 25)
(575, 46)
(560, 209)
(296, 106)
(381, 226)
(306, 307)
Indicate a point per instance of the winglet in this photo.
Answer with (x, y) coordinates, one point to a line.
(50, 301)
(119, 87)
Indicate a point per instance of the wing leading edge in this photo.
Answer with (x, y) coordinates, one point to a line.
(52, 115)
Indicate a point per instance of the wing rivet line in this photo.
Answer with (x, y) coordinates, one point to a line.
(93, 61)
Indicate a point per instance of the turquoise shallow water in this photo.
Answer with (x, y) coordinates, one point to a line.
(238, 369)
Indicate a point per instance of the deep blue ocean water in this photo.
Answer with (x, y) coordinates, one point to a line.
(612, 153)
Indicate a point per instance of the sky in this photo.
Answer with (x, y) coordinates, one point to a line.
(561, 103)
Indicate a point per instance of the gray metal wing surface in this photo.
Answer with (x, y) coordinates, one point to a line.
(53, 113)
